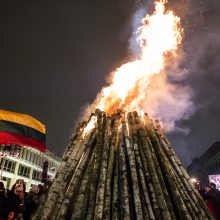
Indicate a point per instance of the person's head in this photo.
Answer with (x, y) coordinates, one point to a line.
(19, 182)
(34, 189)
(19, 189)
(213, 185)
(208, 188)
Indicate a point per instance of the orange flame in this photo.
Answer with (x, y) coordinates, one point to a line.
(159, 34)
(89, 126)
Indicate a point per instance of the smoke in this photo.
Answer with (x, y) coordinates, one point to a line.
(167, 97)
(200, 19)
(191, 86)
(136, 22)
(201, 44)
(141, 9)
(169, 103)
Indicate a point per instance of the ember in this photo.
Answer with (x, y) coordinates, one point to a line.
(123, 168)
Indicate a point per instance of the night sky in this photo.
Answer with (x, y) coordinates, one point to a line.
(55, 56)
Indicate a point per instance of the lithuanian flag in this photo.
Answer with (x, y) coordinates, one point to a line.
(22, 130)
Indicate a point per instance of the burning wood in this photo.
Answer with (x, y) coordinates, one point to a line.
(122, 168)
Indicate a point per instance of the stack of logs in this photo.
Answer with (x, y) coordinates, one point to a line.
(123, 168)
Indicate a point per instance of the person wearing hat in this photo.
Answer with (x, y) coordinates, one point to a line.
(212, 198)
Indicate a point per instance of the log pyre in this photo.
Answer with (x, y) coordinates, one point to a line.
(123, 168)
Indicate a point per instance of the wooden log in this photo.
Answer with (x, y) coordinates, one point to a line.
(128, 172)
(77, 134)
(81, 201)
(48, 207)
(194, 197)
(166, 197)
(133, 168)
(108, 186)
(142, 184)
(153, 208)
(146, 191)
(123, 182)
(115, 199)
(70, 174)
(97, 164)
(168, 173)
(74, 141)
(150, 172)
(150, 175)
(192, 209)
(68, 200)
(99, 208)
(162, 196)
(180, 181)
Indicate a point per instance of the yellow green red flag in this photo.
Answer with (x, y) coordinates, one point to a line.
(21, 129)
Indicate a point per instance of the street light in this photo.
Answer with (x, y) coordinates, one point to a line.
(194, 180)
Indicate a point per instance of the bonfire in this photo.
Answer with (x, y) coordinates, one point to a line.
(119, 164)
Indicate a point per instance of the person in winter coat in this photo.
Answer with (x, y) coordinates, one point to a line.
(31, 202)
(12, 204)
(212, 198)
(15, 205)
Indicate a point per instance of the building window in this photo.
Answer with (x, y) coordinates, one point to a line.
(9, 166)
(36, 159)
(24, 171)
(36, 175)
(23, 153)
(1, 162)
(20, 153)
(32, 157)
(41, 161)
(27, 155)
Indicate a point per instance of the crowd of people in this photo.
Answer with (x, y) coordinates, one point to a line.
(17, 204)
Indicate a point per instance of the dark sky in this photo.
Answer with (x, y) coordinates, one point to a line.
(55, 55)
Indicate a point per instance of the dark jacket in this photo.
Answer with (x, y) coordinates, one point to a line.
(12, 203)
(213, 199)
(31, 205)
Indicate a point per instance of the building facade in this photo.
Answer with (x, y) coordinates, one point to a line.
(26, 163)
(207, 164)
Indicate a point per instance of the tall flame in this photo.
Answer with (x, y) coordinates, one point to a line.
(159, 35)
